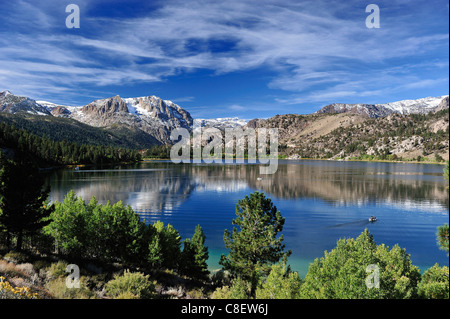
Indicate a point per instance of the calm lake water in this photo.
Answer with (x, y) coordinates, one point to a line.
(322, 201)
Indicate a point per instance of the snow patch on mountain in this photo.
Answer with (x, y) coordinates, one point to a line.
(405, 107)
(423, 105)
(220, 123)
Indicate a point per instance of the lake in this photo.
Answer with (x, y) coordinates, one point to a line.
(322, 201)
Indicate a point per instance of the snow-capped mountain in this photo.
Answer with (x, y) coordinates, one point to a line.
(419, 106)
(58, 109)
(151, 117)
(163, 110)
(425, 105)
(10, 103)
(220, 123)
(150, 114)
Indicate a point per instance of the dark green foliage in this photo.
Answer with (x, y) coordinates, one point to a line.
(194, 256)
(165, 246)
(23, 198)
(111, 233)
(442, 237)
(65, 129)
(46, 152)
(342, 272)
(254, 245)
(434, 283)
(115, 233)
(159, 151)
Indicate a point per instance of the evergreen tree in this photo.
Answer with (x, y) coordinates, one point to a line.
(254, 247)
(23, 199)
(195, 255)
(442, 237)
(166, 251)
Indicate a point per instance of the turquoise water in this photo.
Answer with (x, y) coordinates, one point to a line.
(322, 201)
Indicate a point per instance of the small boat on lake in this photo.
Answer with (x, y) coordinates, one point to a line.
(372, 219)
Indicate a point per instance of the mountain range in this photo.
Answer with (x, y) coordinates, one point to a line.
(142, 122)
(405, 107)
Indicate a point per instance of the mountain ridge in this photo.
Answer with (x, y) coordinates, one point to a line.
(418, 106)
(335, 131)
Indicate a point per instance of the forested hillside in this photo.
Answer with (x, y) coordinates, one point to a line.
(60, 128)
(48, 152)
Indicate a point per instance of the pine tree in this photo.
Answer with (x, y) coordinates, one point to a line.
(254, 247)
(194, 256)
(23, 199)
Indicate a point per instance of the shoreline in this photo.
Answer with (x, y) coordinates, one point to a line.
(318, 159)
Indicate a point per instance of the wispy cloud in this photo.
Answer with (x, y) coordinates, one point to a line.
(315, 51)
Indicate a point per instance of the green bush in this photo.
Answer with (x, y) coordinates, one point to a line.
(342, 272)
(16, 257)
(112, 233)
(58, 269)
(131, 285)
(434, 283)
(58, 289)
(239, 289)
(280, 284)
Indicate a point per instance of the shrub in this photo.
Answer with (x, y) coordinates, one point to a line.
(59, 290)
(239, 289)
(198, 293)
(41, 264)
(58, 269)
(342, 272)
(16, 257)
(9, 292)
(434, 283)
(10, 269)
(131, 284)
(280, 284)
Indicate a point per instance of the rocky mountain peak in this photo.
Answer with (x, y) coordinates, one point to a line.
(11, 103)
(104, 107)
(419, 106)
(160, 109)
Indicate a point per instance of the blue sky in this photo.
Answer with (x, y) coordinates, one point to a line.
(226, 58)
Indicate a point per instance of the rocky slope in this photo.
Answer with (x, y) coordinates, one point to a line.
(149, 114)
(220, 123)
(419, 106)
(349, 135)
(409, 129)
(10, 103)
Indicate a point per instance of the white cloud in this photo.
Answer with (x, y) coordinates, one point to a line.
(236, 107)
(308, 45)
